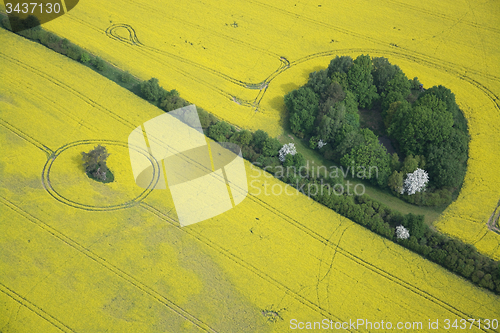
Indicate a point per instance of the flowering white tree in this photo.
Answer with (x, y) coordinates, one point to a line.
(402, 232)
(288, 148)
(321, 144)
(415, 182)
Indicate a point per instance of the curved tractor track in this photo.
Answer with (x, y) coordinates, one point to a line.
(285, 64)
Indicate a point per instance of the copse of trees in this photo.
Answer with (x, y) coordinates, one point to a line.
(427, 124)
(95, 165)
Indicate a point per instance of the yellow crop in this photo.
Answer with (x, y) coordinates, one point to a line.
(70, 262)
(211, 51)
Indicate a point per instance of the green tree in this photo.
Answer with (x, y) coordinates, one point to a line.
(318, 81)
(333, 92)
(271, 147)
(395, 164)
(415, 225)
(426, 123)
(302, 105)
(99, 64)
(296, 160)
(331, 121)
(15, 23)
(399, 84)
(410, 164)
(448, 97)
(220, 131)
(360, 81)
(171, 100)
(151, 90)
(84, 58)
(94, 163)
(31, 22)
(415, 84)
(204, 117)
(446, 162)
(259, 137)
(383, 71)
(339, 65)
(241, 138)
(350, 103)
(395, 181)
(73, 51)
(369, 155)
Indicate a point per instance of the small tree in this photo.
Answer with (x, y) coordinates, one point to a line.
(402, 232)
(94, 163)
(287, 149)
(415, 182)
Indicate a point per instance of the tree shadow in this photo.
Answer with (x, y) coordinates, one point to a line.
(278, 104)
(77, 160)
(308, 71)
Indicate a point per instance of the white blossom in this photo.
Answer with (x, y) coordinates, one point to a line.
(321, 144)
(402, 232)
(288, 148)
(415, 182)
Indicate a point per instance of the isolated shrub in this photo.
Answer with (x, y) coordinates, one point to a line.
(94, 163)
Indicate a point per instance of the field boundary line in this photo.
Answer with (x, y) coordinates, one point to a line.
(34, 308)
(26, 137)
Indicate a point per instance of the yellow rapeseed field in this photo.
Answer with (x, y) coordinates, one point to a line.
(238, 58)
(77, 256)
